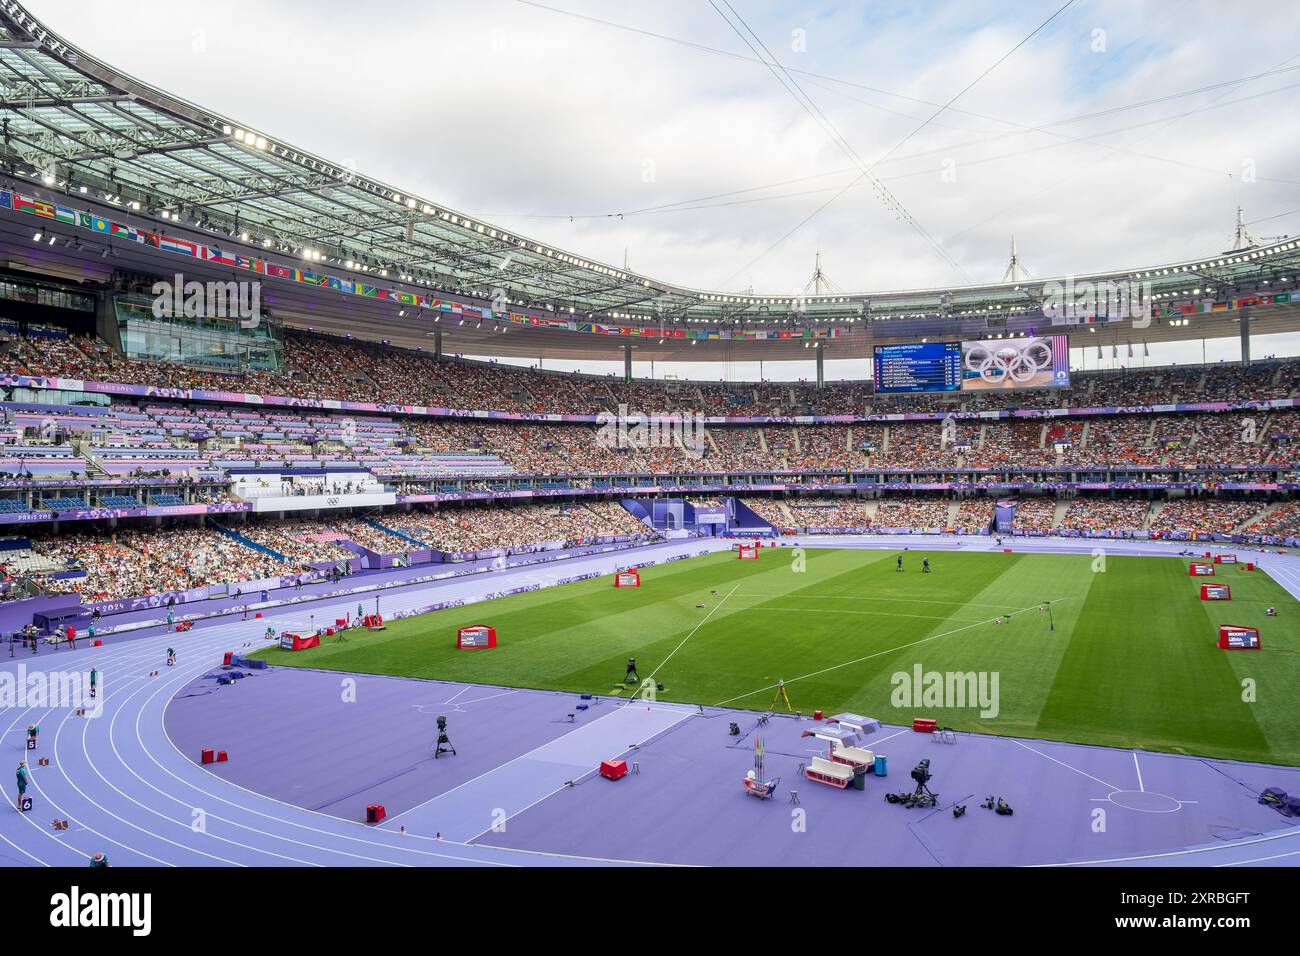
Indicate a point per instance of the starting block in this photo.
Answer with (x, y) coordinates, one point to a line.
(613, 769)
(375, 812)
(60, 824)
(43, 762)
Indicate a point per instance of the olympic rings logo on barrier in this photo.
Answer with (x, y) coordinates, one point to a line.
(1019, 361)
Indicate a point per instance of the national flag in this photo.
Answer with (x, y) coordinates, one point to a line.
(280, 272)
(183, 246)
(64, 214)
(213, 254)
(23, 204)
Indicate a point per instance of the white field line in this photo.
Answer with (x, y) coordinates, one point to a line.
(704, 620)
(889, 650)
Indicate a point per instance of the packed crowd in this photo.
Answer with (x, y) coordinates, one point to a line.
(319, 367)
(1185, 517)
(131, 562)
(974, 515)
(1123, 516)
(832, 512)
(913, 512)
(1280, 522)
(301, 542)
(1034, 515)
(458, 530)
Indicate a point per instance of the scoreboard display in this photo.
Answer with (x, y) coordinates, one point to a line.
(1012, 363)
(918, 367)
(1235, 638)
(476, 636)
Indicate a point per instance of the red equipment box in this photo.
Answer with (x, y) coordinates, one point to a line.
(630, 578)
(1216, 592)
(613, 769)
(476, 636)
(748, 552)
(208, 755)
(1198, 569)
(924, 725)
(1235, 638)
(375, 812)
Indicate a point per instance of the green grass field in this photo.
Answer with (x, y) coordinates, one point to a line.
(1132, 661)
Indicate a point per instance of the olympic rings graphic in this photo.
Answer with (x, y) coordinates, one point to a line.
(1020, 361)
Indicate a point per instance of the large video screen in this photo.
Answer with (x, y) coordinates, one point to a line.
(1032, 362)
(918, 367)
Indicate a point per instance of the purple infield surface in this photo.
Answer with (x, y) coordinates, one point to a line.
(521, 789)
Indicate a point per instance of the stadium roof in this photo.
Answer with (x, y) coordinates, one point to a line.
(75, 127)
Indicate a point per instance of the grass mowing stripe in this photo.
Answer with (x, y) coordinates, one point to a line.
(1132, 661)
(1144, 670)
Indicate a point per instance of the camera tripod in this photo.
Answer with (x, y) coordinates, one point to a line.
(443, 745)
(922, 796)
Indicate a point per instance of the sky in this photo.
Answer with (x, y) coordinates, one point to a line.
(1120, 134)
